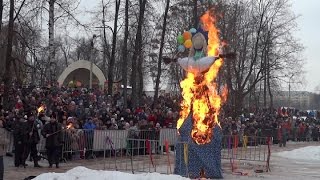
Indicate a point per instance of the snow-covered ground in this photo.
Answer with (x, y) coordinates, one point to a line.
(82, 173)
(300, 163)
(309, 153)
(297, 161)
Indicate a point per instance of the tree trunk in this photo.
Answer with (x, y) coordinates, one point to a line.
(2, 59)
(7, 75)
(269, 88)
(113, 53)
(164, 27)
(125, 55)
(137, 51)
(140, 78)
(265, 80)
(34, 70)
(104, 60)
(65, 56)
(195, 14)
(238, 103)
(268, 73)
(1, 11)
(51, 36)
(17, 72)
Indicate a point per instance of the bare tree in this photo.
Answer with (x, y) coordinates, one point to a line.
(125, 55)
(164, 27)
(137, 52)
(106, 53)
(254, 30)
(195, 13)
(65, 47)
(7, 74)
(1, 12)
(51, 35)
(113, 53)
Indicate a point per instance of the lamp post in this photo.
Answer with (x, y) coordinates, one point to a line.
(290, 89)
(91, 59)
(53, 67)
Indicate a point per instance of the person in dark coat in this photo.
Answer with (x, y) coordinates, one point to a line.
(19, 134)
(33, 138)
(53, 134)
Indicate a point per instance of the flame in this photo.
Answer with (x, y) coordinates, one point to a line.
(208, 24)
(200, 93)
(69, 126)
(41, 109)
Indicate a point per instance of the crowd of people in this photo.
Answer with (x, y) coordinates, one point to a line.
(280, 124)
(81, 106)
(35, 112)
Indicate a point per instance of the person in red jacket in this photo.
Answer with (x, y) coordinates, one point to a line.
(152, 117)
(283, 132)
(19, 104)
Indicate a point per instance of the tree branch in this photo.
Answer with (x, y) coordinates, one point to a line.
(71, 15)
(18, 12)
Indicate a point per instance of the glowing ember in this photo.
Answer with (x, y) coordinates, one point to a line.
(200, 93)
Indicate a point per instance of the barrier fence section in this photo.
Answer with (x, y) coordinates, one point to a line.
(238, 148)
(135, 146)
(252, 148)
(139, 155)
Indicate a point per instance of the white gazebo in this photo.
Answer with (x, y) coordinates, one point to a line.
(80, 71)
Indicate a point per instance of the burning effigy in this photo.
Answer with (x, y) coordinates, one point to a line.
(198, 152)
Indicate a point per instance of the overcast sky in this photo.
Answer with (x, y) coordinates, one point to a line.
(309, 26)
(308, 33)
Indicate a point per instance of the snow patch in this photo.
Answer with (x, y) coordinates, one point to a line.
(309, 153)
(83, 173)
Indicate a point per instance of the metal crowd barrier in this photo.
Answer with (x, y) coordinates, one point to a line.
(84, 143)
(249, 148)
(139, 155)
(235, 149)
(144, 150)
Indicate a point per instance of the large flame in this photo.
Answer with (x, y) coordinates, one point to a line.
(208, 24)
(200, 93)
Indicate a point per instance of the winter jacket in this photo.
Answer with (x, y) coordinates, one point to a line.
(4, 141)
(54, 130)
(32, 126)
(19, 132)
(89, 125)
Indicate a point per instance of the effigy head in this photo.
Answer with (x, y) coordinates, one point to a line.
(199, 41)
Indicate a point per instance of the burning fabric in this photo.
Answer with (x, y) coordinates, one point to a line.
(200, 91)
